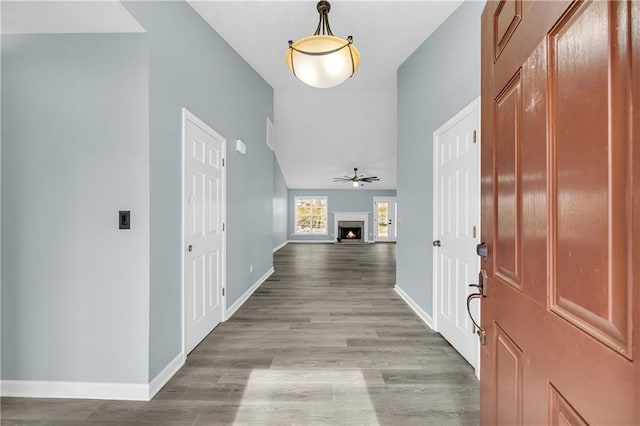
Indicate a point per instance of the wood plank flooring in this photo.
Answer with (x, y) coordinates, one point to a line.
(324, 341)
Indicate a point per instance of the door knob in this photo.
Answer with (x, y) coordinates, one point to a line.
(436, 243)
(190, 247)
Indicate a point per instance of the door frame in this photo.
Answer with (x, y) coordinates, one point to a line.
(470, 108)
(383, 198)
(189, 116)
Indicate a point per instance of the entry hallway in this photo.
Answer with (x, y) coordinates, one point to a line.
(325, 341)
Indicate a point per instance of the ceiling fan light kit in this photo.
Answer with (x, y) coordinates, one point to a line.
(323, 60)
(357, 180)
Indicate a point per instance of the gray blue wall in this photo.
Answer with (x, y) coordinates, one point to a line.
(91, 124)
(75, 146)
(339, 200)
(192, 66)
(434, 83)
(279, 205)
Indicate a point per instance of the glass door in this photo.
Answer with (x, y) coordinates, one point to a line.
(384, 218)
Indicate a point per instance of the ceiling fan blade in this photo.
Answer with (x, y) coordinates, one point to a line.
(356, 178)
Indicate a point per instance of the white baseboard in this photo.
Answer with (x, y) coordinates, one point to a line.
(275, 249)
(414, 306)
(236, 305)
(82, 390)
(312, 241)
(89, 390)
(165, 375)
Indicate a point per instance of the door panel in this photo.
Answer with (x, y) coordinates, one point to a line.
(561, 412)
(590, 251)
(456, 196)
(204, 238)
(533, 181)
(507, 140)
(506, 19)
(560, 212)
(508, 380)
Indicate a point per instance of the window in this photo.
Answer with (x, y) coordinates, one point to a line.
(311, 215)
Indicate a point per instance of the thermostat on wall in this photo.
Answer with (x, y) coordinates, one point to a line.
(241, 147)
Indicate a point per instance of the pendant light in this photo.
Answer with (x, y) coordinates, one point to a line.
(323, 60)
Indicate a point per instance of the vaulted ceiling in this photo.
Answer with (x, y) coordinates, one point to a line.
(319, 133)
(322, 133)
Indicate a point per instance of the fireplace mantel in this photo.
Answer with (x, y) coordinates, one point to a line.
(363, 216)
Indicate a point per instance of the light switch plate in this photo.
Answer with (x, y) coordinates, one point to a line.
(124, 219)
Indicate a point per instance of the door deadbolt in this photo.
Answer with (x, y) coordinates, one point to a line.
(436, 243)
(190, 247)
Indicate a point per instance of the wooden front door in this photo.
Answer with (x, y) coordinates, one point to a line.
(560, 195)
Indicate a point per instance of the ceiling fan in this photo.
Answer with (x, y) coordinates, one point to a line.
(357, 180)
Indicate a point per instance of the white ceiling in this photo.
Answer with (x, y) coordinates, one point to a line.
(385, 33)
(323, 133)
(319, 133)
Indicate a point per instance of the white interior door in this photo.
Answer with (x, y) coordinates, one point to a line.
(204, 242)
(384, 218)
(456, 228)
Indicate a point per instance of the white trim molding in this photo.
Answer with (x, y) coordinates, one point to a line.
(166, 374)
(278, 247)
(414, 306)
(311, 241)
(247, 294)
(90, 390)
(80, 390)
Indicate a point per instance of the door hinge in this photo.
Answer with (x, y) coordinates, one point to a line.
(223, 291)
(222, 226)
(473, 232)
(223, 158)
(475, 136)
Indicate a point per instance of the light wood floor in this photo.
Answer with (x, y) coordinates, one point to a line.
(325, 340)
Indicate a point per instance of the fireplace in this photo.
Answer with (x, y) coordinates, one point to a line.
(350, 231)
(351, 220)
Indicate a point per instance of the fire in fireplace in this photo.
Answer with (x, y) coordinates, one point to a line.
(350, 233)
